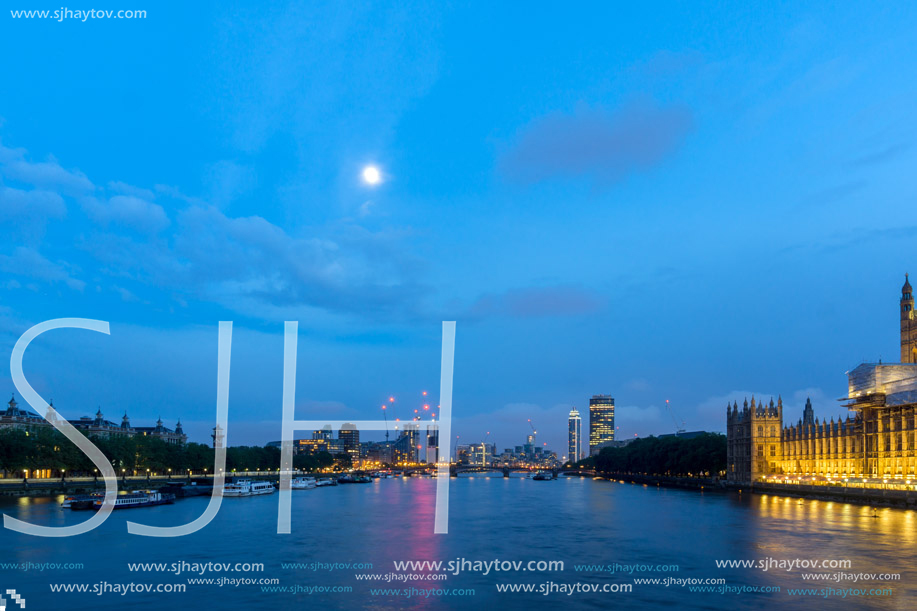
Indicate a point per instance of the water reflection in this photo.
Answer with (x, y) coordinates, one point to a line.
(578, 521)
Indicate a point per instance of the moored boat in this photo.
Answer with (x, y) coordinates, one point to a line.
(247, 487)
(303, 483)
(80, 499)
(182, 489)
(127, 500)
(347, 478)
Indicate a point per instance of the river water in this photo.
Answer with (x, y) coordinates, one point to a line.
(574, 520)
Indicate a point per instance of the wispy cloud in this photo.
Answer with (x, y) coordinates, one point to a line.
(195, 251)
(32, 205)
(881, 155)
(29, 263)
(536, 302)
(45, 174)
(128, 211)
(596, 143)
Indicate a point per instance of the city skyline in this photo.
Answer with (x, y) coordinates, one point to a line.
(666, 271)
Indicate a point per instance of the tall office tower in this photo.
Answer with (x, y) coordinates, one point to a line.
(432, 444)
(601, 421)
(324, 433)
(405, 448)
(574, 436)
(350, 440)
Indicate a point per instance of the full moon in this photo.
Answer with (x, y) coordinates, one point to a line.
(372, 175)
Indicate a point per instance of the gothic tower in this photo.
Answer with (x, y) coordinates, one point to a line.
(908, 324)
(808, 414)
(766, 440)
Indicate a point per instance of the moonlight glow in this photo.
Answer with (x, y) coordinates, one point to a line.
(372, 175)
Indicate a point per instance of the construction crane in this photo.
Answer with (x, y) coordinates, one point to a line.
(534, 432)
(385, 416)
(678, 430)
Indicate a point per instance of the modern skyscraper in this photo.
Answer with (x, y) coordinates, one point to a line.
(601, 421)
(432, 444)
(350, 439)
(574, 436)
(405, 448)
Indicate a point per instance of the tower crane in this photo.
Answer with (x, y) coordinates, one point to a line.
(678, 430)
(534, 432)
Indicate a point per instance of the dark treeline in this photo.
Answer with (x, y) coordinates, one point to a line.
(703, 455)
(46, 448)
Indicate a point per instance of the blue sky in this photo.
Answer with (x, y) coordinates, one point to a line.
(667, 201)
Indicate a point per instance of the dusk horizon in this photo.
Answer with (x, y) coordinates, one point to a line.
(638, 216)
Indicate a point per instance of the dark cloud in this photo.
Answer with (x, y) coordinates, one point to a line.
(599, 144)
(252, 266)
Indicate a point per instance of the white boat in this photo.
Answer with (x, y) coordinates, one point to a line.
(246, 487)
(125, 500)
(326, 481)
(303, 483)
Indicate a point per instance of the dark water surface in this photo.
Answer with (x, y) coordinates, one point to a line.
(577, 521)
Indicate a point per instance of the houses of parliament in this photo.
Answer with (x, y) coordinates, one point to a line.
(877, 441)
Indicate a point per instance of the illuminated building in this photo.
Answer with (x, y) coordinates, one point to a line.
(601, 421)
(463, 454)
(377, 451)
(908, 324)
(481, 454)
(405, 448)
(875, 443)
(574, 436)
(349, 437)
(312, 446)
